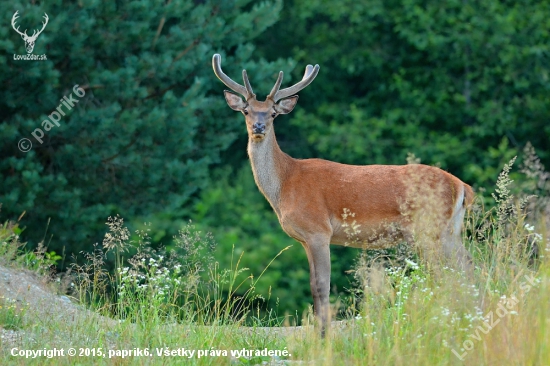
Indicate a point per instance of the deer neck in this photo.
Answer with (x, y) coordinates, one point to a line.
(270, 167)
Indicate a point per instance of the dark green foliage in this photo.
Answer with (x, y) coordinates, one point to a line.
(141, 140)
(461, 83)
(445, 80)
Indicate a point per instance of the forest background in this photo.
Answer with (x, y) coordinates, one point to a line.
(462, 85)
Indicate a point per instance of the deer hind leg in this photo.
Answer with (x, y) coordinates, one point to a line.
(451, 238)
(318, 255)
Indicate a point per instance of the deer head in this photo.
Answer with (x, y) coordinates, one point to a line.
(259, 115)
(29, 40)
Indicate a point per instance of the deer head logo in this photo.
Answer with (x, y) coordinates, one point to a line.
(29, 40)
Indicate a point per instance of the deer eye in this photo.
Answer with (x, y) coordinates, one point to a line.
(245, 111)
(273, 114)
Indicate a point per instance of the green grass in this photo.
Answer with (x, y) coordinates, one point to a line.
(11, 314)
(158, 306)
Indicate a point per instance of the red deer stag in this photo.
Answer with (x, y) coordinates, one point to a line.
(312, 197)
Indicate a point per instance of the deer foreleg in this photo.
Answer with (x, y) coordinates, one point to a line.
(318, 255)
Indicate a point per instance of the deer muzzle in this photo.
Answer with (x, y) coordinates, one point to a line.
(258, 128)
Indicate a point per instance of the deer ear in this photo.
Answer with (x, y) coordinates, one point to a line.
(234, 101)
(286, 106)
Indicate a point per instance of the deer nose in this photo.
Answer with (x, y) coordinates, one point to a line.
(258, 127)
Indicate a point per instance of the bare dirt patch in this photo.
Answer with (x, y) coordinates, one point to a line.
(38, 299)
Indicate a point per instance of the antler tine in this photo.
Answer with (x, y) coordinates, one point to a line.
(13, 19)
(44, 23)
(309, 68)
(248, 86)
(309, 76)
(216, 60)
(276, 86)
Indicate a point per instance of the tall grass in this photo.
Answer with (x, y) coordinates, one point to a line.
(404, 310)
(182, 285)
